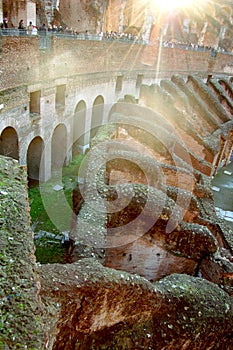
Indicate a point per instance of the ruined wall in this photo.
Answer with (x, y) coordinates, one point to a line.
(84, 305)
(21, 309)
(132, 214)
(159, 207)
(70, 57)
(82, 15)
(125, 16)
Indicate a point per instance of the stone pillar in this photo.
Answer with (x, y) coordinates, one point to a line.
(45, 165)
(20, 13)
(31, 13)
(102, 24)
(121, 17)
(201, 38)
(1, 12)
(106, 111)
(146, 30)
(68, 158)
(87, 129)
(222, 34)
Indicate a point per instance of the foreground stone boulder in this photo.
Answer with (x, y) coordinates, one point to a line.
(85, 305)
(89, 306)
(21, 324)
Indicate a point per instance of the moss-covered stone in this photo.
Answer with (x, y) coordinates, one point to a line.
(21, 310)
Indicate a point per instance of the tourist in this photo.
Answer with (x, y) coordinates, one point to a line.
(4, 26)
(21, 27)
(54, 28)
(29, 28)
(21, 24)
(34, 30)
(5, 23)
(43, 28)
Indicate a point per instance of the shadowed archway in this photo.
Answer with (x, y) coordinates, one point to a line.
(79, 128)
(9, 145)
(34, 154)
(97, 115)
(59, 147)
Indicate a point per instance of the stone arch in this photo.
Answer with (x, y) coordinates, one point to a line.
(79, 127)
(9, 144)
(97, 115)
(229, 148)
(58, 147)
(221, 154)
(113, 110)
(34, 154)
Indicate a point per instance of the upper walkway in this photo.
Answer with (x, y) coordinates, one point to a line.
(46, 40)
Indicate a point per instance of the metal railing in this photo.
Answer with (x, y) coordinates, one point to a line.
(67, 35)
(13, 32)
(46, 42)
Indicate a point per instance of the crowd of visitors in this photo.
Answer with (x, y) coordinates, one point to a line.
(42, 30)
(22, 28)
(190, 46)
(106, 35)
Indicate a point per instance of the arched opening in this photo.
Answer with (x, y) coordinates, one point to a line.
(59, 147)
(79, 128)
(97, 115)
(221, 155)
(229, 148)
(34, 154)
(112, 111)
(9, 145)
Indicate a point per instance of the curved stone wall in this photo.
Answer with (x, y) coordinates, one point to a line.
(32, 81)
(162, 143)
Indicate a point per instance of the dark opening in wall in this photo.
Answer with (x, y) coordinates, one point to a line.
(35, 102)
(139, 80)
(60, 96)
(119, 83)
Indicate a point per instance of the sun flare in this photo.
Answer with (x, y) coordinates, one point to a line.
(172, 4)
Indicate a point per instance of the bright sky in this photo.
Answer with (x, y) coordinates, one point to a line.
(173, 4)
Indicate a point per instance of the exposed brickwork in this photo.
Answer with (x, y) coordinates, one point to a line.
(163, 147)
(70, 57)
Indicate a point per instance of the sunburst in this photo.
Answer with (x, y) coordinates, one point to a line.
(170, 5)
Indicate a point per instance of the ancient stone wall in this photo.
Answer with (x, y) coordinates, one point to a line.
(160, 152)
(21, 309)
(85, 305)
(82, 15)
(70, 57)
(150, 212)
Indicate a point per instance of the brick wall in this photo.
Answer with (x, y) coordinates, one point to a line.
(22, 61)
(19, 61)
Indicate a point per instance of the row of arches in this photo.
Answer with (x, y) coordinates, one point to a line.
(66, 140)
(9, 146)
(79, 122)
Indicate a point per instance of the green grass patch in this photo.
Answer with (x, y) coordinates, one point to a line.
(51, 210)
(50, 253)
